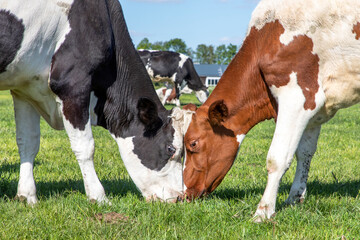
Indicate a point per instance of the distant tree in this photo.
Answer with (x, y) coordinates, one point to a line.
(205, 54)
(189, 52)
(231, 51)
(221, 54)
(158, 46)
(144, 44)
(224, 54)
(176, 45)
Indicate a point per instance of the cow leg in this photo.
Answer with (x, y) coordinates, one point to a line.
(178, 80)
(27, 121)
(304, 154)
(83, 146)
(166, 95)
(291, 123)
(177, 97)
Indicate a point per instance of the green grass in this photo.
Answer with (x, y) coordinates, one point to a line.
(331, 210)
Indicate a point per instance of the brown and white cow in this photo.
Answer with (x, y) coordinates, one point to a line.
(299, 64)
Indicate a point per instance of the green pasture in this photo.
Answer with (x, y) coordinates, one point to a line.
(331, 210)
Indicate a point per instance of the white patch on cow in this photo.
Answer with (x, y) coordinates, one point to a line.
(83, 146)
(93, 115)
(240, 138)
(177, 102)
(28, 140)
(165, 184)
(201, 95)
(149, 50)
(167, 94)
(160, 94)
(185, 89)
(181, 120)
(173, 77)
(149, 70)
(183, 59)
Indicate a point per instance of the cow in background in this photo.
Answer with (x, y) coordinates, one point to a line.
(173, 68)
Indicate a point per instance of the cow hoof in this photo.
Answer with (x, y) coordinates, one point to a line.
(263, 214)
(30, 200)
(102, 201)
(258, 219)
(294, 200)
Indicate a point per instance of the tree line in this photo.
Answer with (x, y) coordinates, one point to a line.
(204, 54)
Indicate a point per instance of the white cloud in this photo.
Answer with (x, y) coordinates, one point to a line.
(233, 40)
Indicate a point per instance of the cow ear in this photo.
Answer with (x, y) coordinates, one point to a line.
(218, 113)
(147, 111)
(190, 107)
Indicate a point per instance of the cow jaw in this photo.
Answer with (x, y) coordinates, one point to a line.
(165, 184)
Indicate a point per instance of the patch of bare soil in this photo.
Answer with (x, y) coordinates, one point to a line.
(112, 217)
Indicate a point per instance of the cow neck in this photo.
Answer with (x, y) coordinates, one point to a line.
(244, 91)
(132, 81)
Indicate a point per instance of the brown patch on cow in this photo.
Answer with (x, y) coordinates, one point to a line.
(356, 31)
(172, 95)
(278, 61)
(190, 107)
(271, 165)
(164, 91)
(111, 217)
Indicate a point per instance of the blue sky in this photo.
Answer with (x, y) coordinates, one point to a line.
(210, 22)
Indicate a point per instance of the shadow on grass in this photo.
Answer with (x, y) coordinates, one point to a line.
(6, 167)
(317, 188)
(45, 189)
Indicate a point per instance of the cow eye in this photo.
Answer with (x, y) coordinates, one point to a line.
(171, 149)
(193, 143)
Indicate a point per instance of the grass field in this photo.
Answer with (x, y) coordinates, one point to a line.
(331, 210)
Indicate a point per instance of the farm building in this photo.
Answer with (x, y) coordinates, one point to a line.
(210, 73)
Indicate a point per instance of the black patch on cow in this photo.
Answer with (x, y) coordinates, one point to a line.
(11, 36)
(98, 56)
(166, 64)
(160, 140)
(192, 78)
(148, 115)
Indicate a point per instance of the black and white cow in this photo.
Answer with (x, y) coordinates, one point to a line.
(73, 63)
(173, 68)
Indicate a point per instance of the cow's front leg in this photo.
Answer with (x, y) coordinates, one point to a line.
(291, 122)
(83, 146)
(28, 140)
(304, 154)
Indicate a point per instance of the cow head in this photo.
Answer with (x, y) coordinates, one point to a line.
(152, 151)
(211, 147)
